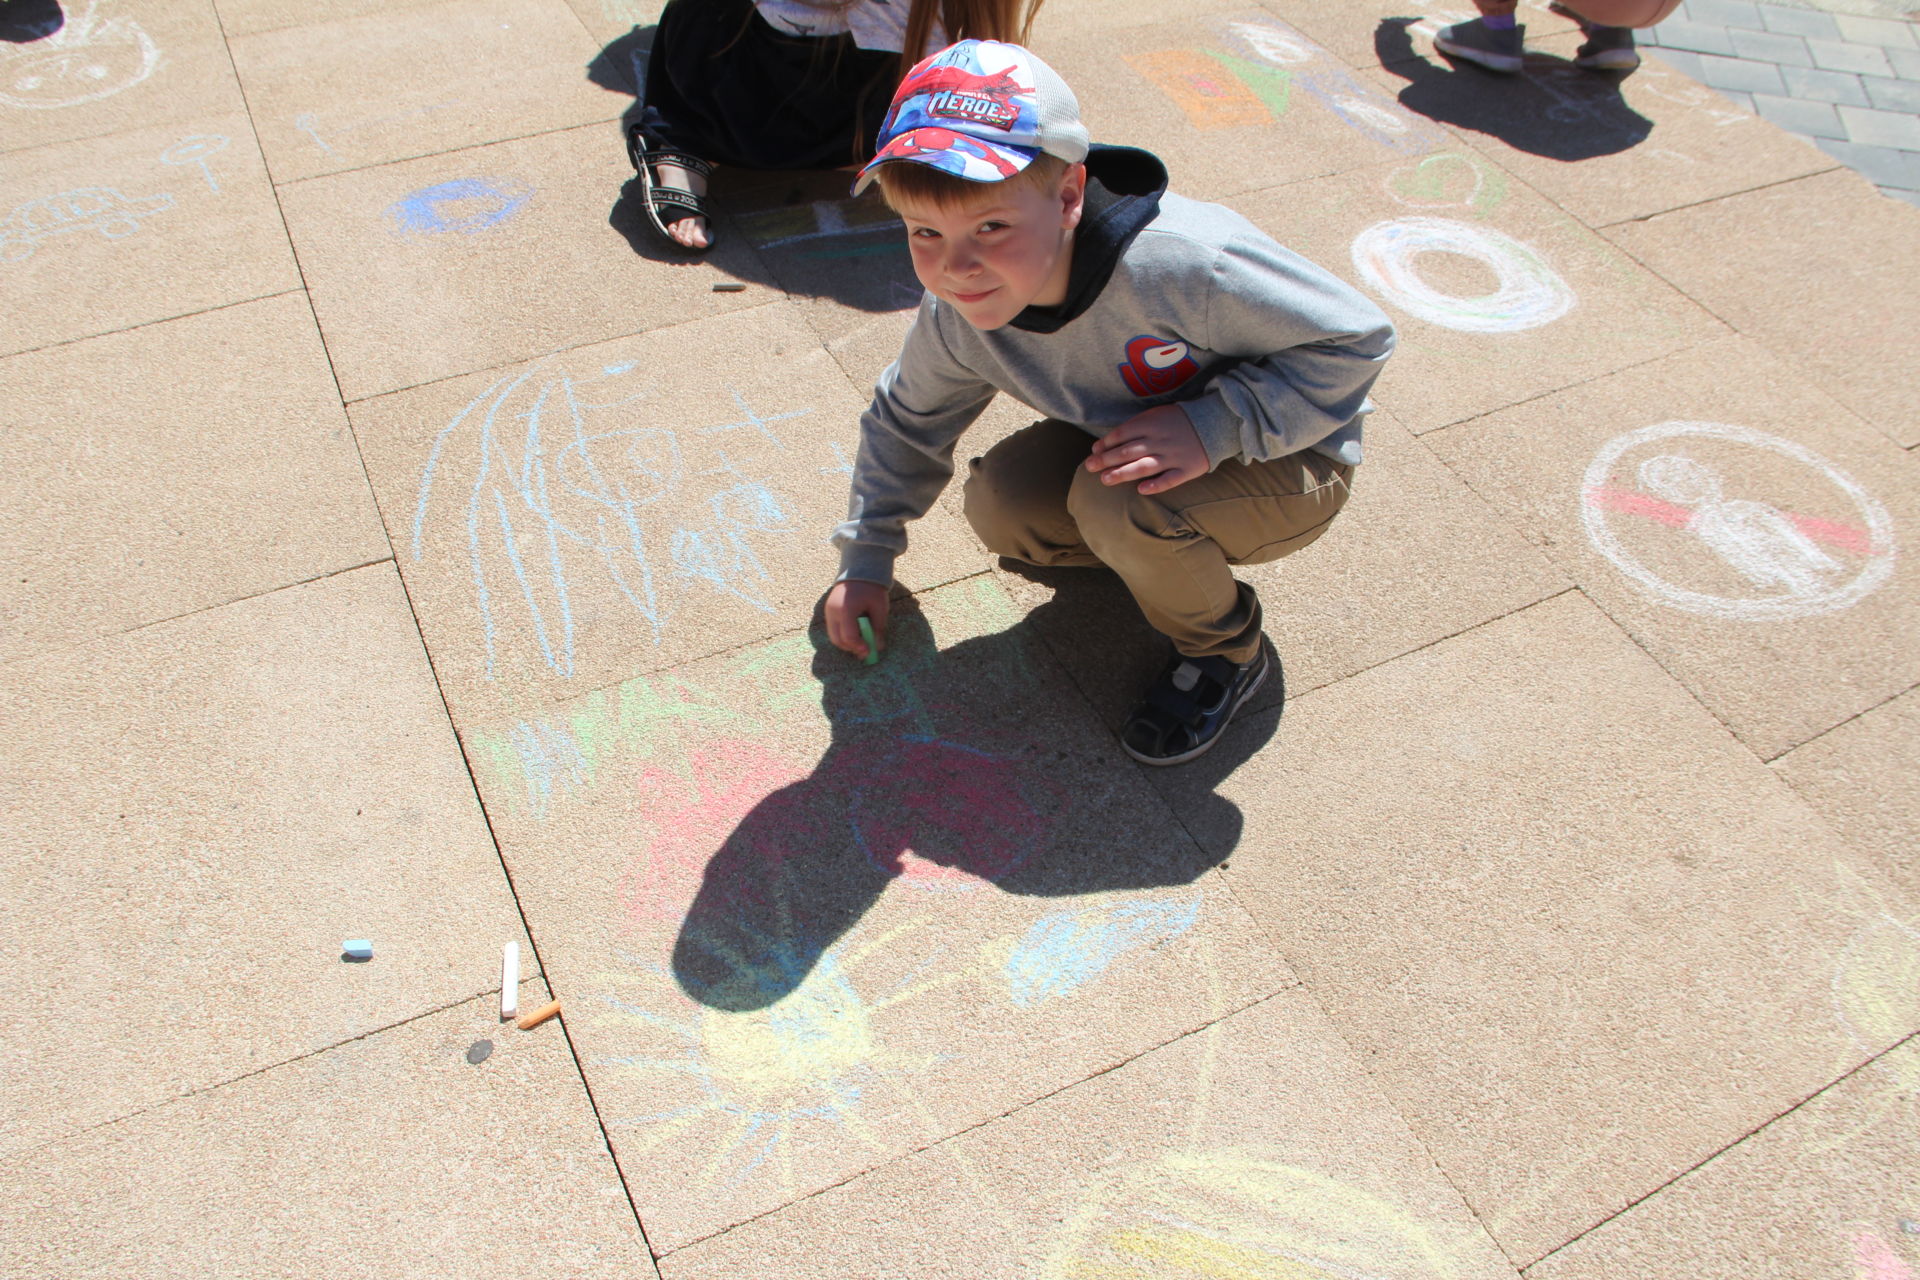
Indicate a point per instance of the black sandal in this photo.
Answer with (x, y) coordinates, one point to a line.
(645, 153)
(1188, 707)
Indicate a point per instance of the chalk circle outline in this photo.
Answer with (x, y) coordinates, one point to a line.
(1530, 293)
(1879, 525)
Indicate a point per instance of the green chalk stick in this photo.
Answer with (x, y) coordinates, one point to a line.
(866, 633)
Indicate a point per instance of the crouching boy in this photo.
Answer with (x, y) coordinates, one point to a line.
(1201, 387)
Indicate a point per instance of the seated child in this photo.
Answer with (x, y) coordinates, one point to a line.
(780, 84)
(1202, 387)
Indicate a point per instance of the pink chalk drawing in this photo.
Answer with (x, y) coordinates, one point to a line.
(1791, 564)
(1875, 1259)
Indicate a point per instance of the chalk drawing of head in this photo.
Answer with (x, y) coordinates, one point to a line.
(1680, 480)
(465, 205)
(88, 59)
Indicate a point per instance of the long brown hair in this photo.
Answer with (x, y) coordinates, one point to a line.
(1007, 20)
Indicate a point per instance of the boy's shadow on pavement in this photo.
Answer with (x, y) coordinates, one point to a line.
(1552, 108)
(975, 761)
(797, 231)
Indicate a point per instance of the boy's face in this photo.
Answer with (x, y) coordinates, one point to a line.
(993, 256)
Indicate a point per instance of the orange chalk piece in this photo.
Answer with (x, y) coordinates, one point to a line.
(533, 1019)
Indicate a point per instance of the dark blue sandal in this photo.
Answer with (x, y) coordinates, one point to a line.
(667, 205)
(1189, 705)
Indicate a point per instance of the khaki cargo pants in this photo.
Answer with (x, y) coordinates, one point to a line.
(1030, 499)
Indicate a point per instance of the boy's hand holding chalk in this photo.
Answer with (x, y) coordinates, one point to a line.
(856, 617)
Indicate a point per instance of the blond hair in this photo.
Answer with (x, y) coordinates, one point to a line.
(918, 183)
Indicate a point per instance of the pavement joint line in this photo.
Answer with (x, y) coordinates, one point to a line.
(429, 155)
(1844, 1076)
(1295, 985)
(84, 1130)
(1729, 195)
(781, 297)
(526, 925)
(1841, 724)
(69, 646)
(148, 324)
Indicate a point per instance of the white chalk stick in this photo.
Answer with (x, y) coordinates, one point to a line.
(509, 981)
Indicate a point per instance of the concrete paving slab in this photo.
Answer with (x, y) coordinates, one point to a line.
(263, 485)
(253, 17)
(623, 508)
(195, 816)
(417, 81)
(438, 267)
(1210, 96)
(115, 65)
(814, 914)
(1364, 33)
(1824, 1191)
(1741, 526)
(1603, 148)
(608, 20)
(109, 232)
(1583, 939)
(1497, 295)
(1415, 557)
(1803, 240)
(390, 1155)
(1860, 777)
(1256, 1147)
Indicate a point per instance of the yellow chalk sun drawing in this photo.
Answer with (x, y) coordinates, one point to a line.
(754, 1088)
(1246, 1215)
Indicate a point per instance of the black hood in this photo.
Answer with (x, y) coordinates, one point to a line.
(1124, 185)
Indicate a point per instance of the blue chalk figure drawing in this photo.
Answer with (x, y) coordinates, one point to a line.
(101, 209)
(570, 507)
(466, 205)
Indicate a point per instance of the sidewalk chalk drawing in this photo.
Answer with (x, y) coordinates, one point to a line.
(1876, 994)
(92, 57)
(573, 496)
(197, 149)
(1247, 81)
(1249, 1211)
(1874, 1258)
(465, 205)
(754, 1008)
(1528, 293)
(1449, 180)
(1665, 506)
(99, 209)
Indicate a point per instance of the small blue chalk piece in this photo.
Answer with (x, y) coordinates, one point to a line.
(357, 949)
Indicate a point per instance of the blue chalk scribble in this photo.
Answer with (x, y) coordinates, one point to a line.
(1068, 949)
(465, 205)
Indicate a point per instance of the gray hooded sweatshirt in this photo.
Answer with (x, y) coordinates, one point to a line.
(1169, 301)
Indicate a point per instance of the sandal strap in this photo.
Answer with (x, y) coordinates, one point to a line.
(642, 149)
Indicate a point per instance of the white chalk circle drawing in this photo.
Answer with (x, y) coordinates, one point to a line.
(101, 209)
(87, 59)
(197, 149)
(1529, 293)
(1797, 565)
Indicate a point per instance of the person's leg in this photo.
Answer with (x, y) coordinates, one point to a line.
(1493, 40)
(1606, 48)
(1015, 497)
(1176, 550)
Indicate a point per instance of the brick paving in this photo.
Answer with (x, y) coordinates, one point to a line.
(1850, 84)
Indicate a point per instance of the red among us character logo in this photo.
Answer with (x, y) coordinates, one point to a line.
(1156, 366)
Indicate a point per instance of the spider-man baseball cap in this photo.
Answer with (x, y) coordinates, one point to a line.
(980, 110)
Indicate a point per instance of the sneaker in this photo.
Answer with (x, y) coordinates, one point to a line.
(1191, 703)
(1476, 42)
(1608, 49)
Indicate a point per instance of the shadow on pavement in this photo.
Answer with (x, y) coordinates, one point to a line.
(794, 230)
(1553, 108)
(22, 21)
(963, 756)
